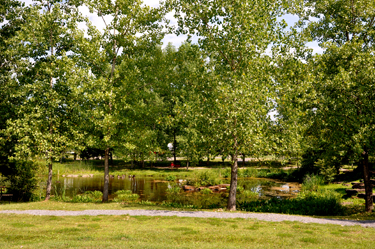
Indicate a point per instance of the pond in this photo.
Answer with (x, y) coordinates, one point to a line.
(155, 189)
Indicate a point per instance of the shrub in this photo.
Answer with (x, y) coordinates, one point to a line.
(88, 196)
(125, 196)
(97, 195)
(310, 203)
(22, 178)
(173, 189)
(226, 173)
(247, 195)
(240, 189)
(206, 178)
(327, 171)
(249, 172)
(206, 191)
(312, 182)
(170, 178)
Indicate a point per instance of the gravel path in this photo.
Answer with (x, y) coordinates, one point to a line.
(201, 214)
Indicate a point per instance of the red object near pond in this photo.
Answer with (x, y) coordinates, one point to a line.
(173, 165)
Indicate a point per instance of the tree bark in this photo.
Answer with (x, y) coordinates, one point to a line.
(368, 185)
(49, 181)
(174, 147)
(106, 175)
(233, 180)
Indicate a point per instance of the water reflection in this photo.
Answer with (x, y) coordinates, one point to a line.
(154, 189)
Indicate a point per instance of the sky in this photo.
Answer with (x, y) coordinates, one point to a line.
(172, 38)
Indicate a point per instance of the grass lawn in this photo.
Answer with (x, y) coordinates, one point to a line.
(26, 231)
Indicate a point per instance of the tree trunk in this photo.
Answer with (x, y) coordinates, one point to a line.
(49, 180)
(174, 147)
(368, 185)
(208, 160)
(187, 165)
(233, 179)
(106, 176)
(243, 160)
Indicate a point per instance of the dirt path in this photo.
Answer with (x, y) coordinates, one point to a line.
(200, 214)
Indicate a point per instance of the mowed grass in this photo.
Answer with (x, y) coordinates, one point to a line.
(26, 231)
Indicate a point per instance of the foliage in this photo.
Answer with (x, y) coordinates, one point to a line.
(125, 196)
(327, 171)
(170, 178)
(206, 191)
(205, 178)
(88, 196)
(322, 202)
(231, 105)
(312, 200)
(341, 91)
(22, 177)
(312, 183)
(173, 189)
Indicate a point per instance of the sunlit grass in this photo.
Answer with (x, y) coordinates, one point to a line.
(25, 231)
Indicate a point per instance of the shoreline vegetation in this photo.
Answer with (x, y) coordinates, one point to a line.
(331, 197)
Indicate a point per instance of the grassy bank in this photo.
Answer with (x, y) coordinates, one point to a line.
(25, 231)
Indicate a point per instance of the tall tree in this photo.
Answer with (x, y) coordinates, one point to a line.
(130, 27)
(10, 12)
(343, 100)
(235, 100)
(45, 76)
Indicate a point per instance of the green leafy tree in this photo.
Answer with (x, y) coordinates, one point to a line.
(116, 91)
(45, 75)
(234, 101)
(10, 11)
(343, 94)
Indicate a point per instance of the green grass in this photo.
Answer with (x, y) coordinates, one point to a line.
(26, 231)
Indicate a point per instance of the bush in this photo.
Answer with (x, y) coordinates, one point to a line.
(173, 189)
(312, 182)
(247, 195)
(327, 171)
(226, 173)
(206, 178)
(206, 191)
(88, 196)
(22, 178)
(170, 178)
(125, 196)
(310, 203)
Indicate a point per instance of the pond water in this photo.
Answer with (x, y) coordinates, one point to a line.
(155, 189)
